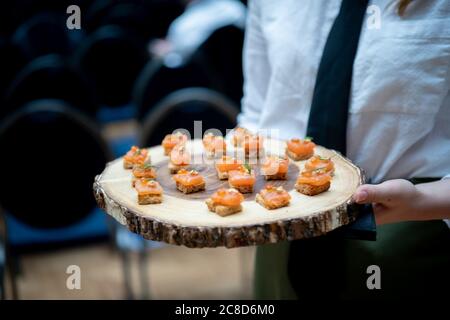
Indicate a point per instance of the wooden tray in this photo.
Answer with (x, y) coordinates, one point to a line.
(185, 220)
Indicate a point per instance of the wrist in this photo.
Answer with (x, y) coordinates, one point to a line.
(433, 201)
(421, 201)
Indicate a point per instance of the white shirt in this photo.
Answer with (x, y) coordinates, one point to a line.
(399, 114)
(200, 19)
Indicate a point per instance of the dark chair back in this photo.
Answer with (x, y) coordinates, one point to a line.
(43, 34)
(157, 81)
(14, 13)
(180, 109)
(222, 52)
(51, 154)
(111, 58)
(150, 19)
(11, 62)
(2, 255)
(49, 77)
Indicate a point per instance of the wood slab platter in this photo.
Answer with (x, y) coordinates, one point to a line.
(185, 219)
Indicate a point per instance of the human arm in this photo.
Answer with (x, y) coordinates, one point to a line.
(399, 200)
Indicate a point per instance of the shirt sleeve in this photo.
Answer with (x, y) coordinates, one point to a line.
(447, 221)
(256, 69)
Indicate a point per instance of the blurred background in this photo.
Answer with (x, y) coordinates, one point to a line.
(73, 99)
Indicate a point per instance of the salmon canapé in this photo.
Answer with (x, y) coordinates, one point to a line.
(189, 181)
(225, 165)
(146, 186)
(149, 191)
(272, 197)
(145, 170)
(180, 155)
(253, 145)
(313, 182)
(180, 158)
(225, 202)
(227, 197)
(188, 178)
(214, 145)
(298, 149)
(172, 140)
(275, 168)
(135, 156)
(319, 162)
(243, 179)
(238, 136)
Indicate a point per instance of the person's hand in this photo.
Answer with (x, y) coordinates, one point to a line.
(160, 47)
(393, 200)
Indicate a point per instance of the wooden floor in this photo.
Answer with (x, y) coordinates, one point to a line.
(174, 273)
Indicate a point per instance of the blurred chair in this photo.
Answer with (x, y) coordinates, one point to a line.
(14, 13)
(181, 108)
(54, 154)
(111, 58)
(45, 33)
(2, 256)
(158, 80)
(49, 77)
(222, 52)
(149, 19)
(6, 266)
(10, 63)
(57, 151)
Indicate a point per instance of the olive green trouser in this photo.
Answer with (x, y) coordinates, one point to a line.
(413, 257)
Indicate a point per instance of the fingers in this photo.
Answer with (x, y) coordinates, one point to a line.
(386, 192)
(369, 193)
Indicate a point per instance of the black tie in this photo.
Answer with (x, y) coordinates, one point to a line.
(329, 109)
(316, 265)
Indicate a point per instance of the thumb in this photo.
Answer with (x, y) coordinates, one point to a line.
(370, 193)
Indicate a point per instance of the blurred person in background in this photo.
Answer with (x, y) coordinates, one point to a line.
(200, 19)
(380, 95)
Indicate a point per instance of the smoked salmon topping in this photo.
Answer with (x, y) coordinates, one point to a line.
(144, 171)
(242, 177)
(301, 147)
(275, 196)
(274, 164)
(238, 136)
(227, 197)
(180, 156)
(253, 142)
(319, 162)
(317, 177)
(171, 140)
(228, 163)
(148, 187)
(207, 139)
(136, 155)
(214, 143)
(188, 178)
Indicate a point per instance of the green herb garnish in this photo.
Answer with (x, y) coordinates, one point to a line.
(308, 139)
(248, 168)
(319, 170)
(148, 166)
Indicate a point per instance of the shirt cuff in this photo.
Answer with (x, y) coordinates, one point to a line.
(447, 221)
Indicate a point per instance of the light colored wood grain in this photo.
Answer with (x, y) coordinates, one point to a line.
(188, 216)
